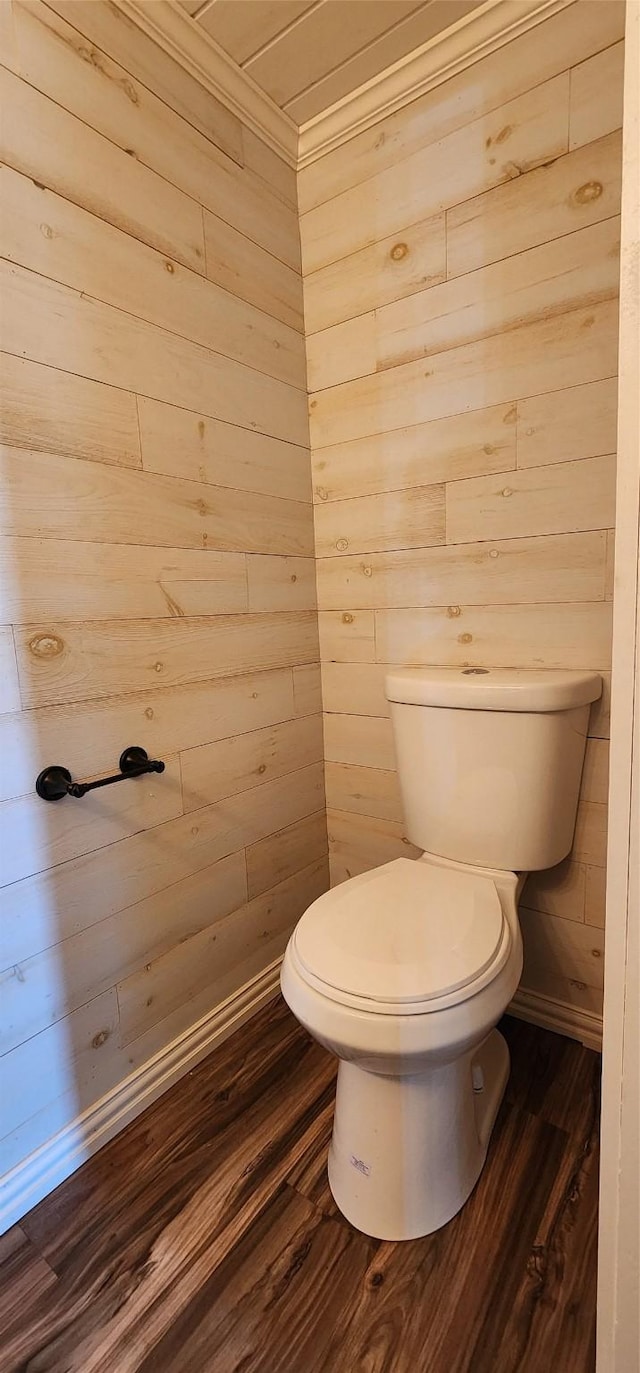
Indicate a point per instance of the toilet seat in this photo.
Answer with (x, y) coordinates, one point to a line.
(405, 938)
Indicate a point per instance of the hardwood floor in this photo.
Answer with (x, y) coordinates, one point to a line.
(204, 1239)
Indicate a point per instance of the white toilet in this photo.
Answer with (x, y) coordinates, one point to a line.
(404, 971)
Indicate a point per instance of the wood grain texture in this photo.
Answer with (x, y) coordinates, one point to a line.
(212, 772)
(596, 96)
(110, 950)
(178, 443)
(520, 135)
(89, 735)
(112, 32)
(541, 53)
(580, 346)
(565, 425)
(579, 189)
(46, 234)
(564, 567)
(205, 1235)
(208, 964)
(53, 497)
(250, 272)
(150, 242)
(43, 141)
(441, 450)
(9, 688)
(97, 659)
(44, 409)
(494, 383)
(54, 905)
(135, 116)
(140, 356)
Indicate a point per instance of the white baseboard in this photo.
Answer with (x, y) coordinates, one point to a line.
(43, 1170)
(559, 1016)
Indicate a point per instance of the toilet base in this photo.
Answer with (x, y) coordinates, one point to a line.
(406, 1152)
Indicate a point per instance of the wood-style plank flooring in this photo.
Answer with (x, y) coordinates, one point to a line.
(204, 1238)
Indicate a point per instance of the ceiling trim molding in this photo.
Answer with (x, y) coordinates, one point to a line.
(192, 47)
(473, 37)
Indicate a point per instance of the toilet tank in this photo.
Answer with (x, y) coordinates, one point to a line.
(490, 761)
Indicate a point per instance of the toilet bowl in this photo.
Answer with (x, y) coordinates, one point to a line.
(404, 971)
(407, 1005)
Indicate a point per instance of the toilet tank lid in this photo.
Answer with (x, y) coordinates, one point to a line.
(493, 688)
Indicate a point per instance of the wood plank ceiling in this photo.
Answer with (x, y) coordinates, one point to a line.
(307, 54)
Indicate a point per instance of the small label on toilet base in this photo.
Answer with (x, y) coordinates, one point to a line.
(360, 1164)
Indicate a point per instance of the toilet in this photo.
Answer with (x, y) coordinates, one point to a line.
(404, 971)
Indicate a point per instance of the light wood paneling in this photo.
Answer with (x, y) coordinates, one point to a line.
(580, 346)
(52, 984)
(140, 356)
(33, 840)
(567, 38)
(563, 959)
(281, 583)
(595, 898)
(410, 519)
(354, 688)
(9, 690)
(56, 412)
(553, 635)
(362, 740)
(360, 842)
(308, 55)
(219, 954)
(496, 385)
(179, 443)
(347, 636)
(578, 423)
(116, 35)
(595, 107)
(340, 354)
(365, 790)
(214, 771)
(56, 904)
(566, 567)
(51, 55)
(45, 233)
(47, 578)
(87, 661)
(58, 498)
(278, 857)
(243, 29)
(277, 176)
(567, 496)
(559, 891)
(307, 689)
(45, 142)
(251, 273)
(89, 737)
(590, 843)
(374, 276)
(442, 450)
(58, 1072)
(177, 612)
(595, 777)
(519, 136)
(580, 189)
(580, 269)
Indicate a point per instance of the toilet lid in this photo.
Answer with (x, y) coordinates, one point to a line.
(404, 932)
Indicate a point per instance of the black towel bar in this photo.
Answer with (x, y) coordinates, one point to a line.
(55, 782)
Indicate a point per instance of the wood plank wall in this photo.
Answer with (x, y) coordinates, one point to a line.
(461, 277)
(156, 554)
